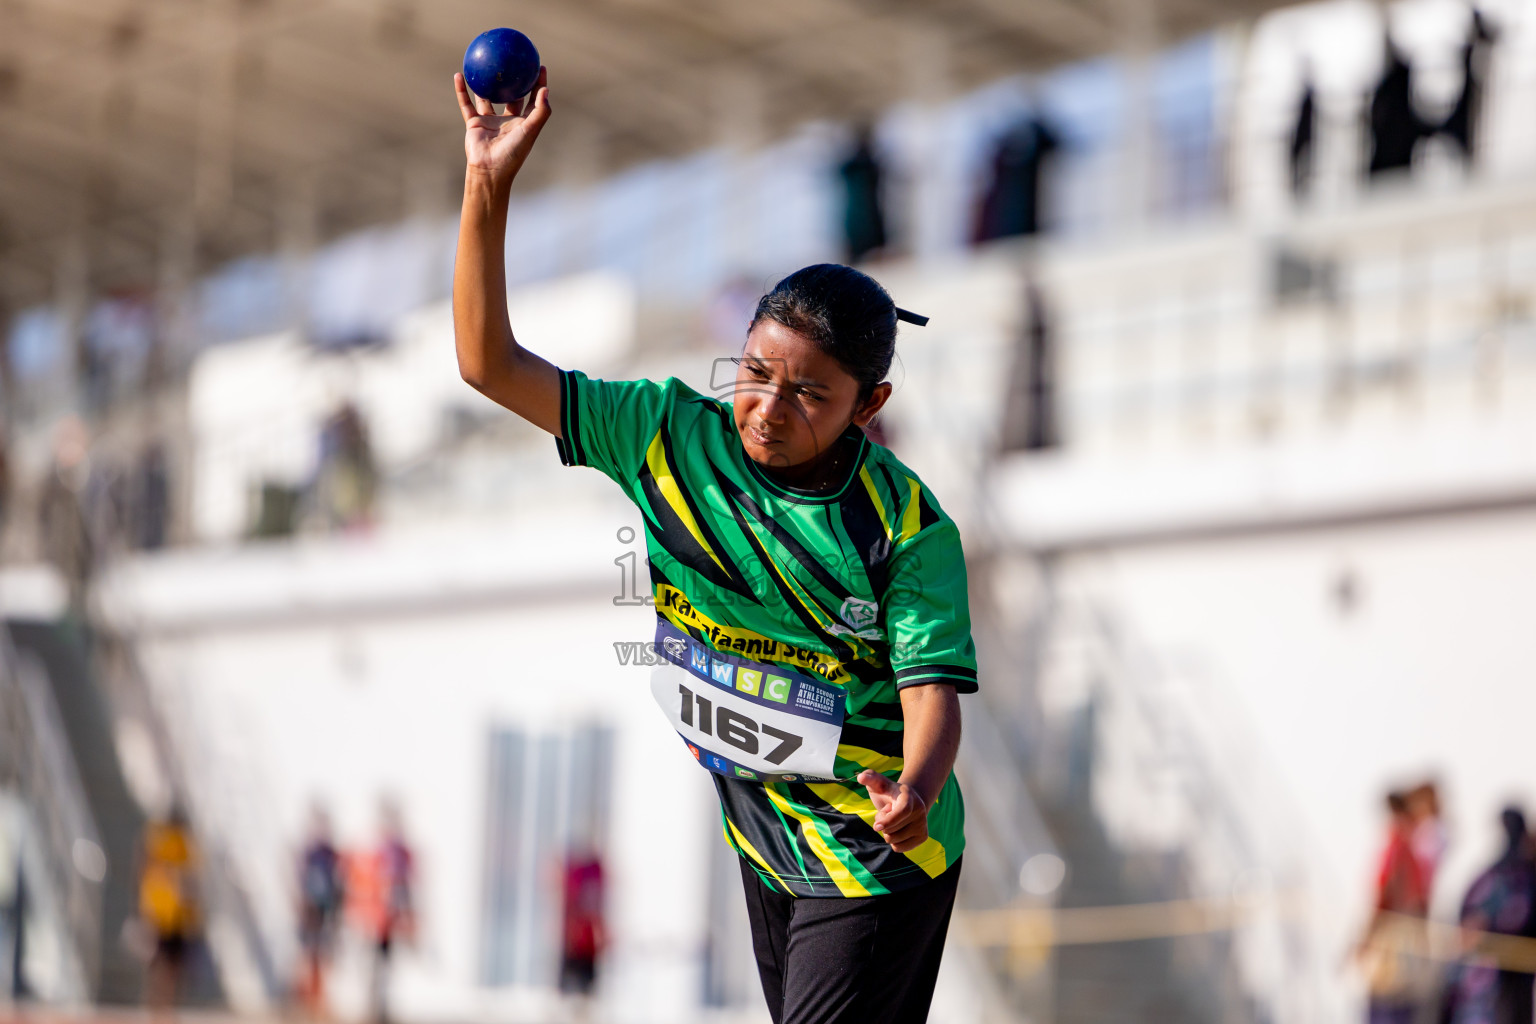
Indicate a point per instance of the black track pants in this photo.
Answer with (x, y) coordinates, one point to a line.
(850, 961)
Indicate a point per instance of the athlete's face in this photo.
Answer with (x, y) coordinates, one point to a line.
(792, 400)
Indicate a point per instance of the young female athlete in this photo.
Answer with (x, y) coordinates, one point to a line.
(812, 624)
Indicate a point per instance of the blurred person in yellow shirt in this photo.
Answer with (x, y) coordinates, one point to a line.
(168, 904)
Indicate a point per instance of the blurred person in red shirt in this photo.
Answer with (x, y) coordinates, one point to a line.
(380, 904)
(1428, 838)
(583, 934)
(1395, 941)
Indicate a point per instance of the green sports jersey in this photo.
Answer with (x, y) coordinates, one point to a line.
(840, 597)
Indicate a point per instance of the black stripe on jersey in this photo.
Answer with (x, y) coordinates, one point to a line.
(861, 521)
(881, 741)
(896, 502)
(962, 678)
(886, 711)
(873, 669)
(570, 417)
(840, 649)
(563, 447)
(678, 542)
(783, 536)
(860, 838)
(778, 844)
(927, 515)
(715, 406)
(693, 506)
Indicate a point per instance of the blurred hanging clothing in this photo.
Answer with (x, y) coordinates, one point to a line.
(583, 931)
(1460, 124)
(863, 213)
(1396, 126)
(1303, 135)
(1010, 205)
(1502, 900)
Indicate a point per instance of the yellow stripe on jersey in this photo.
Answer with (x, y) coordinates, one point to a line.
(874, 498)
(789, 582)
(866, 758)
(675, 607)
(911, 519)
(836, 869)
(661, 472)
(928, 855)
(860, 647)
(751, 851)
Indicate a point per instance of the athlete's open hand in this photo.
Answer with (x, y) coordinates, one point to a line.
(901, 815)
(499, 143)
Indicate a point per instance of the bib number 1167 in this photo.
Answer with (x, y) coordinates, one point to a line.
(735, 728)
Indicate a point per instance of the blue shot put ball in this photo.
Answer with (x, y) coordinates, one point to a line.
(501, 65)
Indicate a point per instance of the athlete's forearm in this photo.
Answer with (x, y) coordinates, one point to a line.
(930, 737)
(490, 359)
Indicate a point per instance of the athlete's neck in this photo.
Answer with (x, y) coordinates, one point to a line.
(823, 472)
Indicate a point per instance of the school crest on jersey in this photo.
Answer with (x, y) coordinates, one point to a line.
(860, 616)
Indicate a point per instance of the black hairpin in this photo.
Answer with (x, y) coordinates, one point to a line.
(910, 317)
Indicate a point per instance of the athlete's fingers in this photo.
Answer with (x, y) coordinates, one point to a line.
(900, 819)
(483, 106)
(528, 102)
(907, 838)
(881, 789)
(893, 814)
(538, 109)
(461, 90)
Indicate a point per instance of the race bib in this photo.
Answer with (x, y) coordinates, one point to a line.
(746, 719)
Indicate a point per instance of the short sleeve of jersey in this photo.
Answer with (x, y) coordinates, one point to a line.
(928, 613)
(609, 424)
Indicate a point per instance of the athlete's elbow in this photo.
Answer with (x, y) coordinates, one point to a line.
(472, 374)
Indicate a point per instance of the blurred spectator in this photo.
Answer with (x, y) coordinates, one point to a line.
(106, 505)
(1011, 203)
(168, 905)
(379, 897)
(346, 478)
(1460, 124)
(863, 213)
(583, 932)
(14, 912)
(1395, 940)
(1303, 134)
(1502, 900)
(151, 509)
(1396, 126)
(5, 482)
(1429, 839)
(1029, 411)
(320, 900)
(62, 525)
